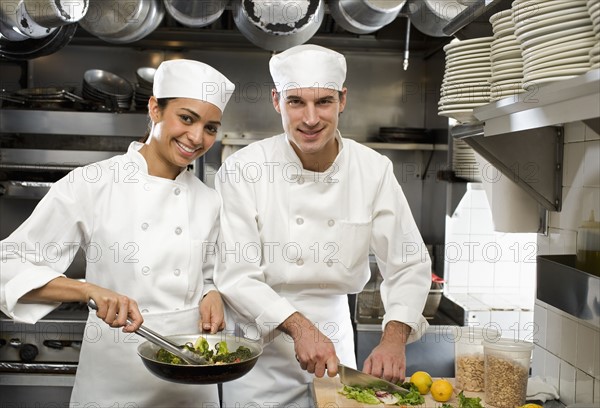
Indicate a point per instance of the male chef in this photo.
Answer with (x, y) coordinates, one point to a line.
(301, 212)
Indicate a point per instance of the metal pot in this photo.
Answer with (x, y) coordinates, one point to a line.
(431, 16)
(33, 48)
(277, 25)
(120, 22)
(55, 13)
(364, 16)
(15, 18)
(205, 374)
(195, 13)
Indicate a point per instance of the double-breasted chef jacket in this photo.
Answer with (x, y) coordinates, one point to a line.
(146, 237)
(297, 240)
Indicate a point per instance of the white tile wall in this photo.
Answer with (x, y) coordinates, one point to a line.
(567, 352)
(587, 339)
(584, 388)
(571, 346)
(480, 260)
(552, 374)
(566, 387)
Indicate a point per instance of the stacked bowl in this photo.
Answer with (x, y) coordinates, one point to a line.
(507, 62)
(464, 162)
(594, 54)
(556, 38)
(108, 89)
(143, 88)
(466, 78)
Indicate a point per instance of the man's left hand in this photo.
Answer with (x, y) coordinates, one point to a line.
(388, 359)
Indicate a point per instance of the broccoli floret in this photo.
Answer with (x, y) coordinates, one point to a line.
(165, 356)
(201, 345)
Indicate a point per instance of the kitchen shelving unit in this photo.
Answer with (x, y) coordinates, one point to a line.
(522, 135)
(228, 141)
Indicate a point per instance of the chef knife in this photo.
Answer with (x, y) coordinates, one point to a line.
(354, 378)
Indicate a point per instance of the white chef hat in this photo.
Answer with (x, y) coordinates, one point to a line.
(182, 78)
(308, 66)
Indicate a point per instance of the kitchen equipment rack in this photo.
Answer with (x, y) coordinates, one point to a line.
(516, 132)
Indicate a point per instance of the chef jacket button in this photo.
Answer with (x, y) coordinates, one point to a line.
(300, 180)
(299, 262)
(322, 285)
(331, 223)
(329, 263)
(177, 272)
(299, 221)
(178, 231)
(147, 187)
(145, 226)
(145, 270)
(144, 310)
(177, 191)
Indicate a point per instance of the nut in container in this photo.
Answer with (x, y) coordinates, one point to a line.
(507, 364)
(469, 358)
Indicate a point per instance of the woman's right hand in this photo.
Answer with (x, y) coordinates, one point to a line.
(114, 309)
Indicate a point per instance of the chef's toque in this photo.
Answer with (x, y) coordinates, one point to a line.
(184, 78)
(308, 66)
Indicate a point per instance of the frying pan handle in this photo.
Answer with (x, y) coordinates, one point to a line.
(155, 338)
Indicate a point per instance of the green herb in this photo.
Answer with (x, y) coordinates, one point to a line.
(365, 395)
(466, 402)
(413, 397)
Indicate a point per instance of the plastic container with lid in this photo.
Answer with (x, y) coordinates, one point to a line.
(507, 364)
(588, 246)
(469, 359)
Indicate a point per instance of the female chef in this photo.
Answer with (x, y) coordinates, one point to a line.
(300, 213)
(145, 224)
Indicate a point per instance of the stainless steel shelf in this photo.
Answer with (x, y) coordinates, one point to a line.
(562, 285)
(406, 146)
(571, 100)
(373, 145)
(21, 121)
(522, 135)
(473, 22)
(532, 158)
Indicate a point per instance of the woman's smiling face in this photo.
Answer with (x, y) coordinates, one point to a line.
(182, 131)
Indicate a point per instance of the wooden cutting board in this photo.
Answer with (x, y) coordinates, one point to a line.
(327, 395)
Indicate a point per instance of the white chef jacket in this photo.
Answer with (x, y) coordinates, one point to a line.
(296, 240)
(146, 237)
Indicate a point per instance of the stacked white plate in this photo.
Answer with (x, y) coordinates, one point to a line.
(507, 62)
(556, 38)
(594, 54)
(464, 163)
(466, 78)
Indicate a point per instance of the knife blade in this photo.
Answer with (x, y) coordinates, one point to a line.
(354, 378)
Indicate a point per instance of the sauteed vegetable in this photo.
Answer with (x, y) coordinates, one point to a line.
(220, 354)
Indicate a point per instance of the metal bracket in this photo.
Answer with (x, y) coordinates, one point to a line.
(532, 158)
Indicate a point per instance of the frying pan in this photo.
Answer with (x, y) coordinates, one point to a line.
(196, 374)
(278, 25)
(33, 48)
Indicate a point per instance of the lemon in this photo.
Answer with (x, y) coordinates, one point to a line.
(441, 390)
(422, 381)
(531, 406)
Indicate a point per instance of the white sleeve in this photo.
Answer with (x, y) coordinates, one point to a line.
(209, 255)
(240, 278)
(402, 257)
(41, 249)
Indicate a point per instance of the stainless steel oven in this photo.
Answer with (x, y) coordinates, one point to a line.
(37, 147)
